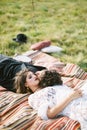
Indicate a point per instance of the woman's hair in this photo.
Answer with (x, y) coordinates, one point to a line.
(20, 80)
(50, 78)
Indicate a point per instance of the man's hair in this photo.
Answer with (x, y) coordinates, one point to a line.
(50, 78)
(20, 80)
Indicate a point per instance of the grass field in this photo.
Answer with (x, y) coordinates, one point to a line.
(64, 22)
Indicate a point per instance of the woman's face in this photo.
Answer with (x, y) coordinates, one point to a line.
(32, 80)
(40, 74)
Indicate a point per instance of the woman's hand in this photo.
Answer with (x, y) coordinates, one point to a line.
(52, 112)
(76, 93)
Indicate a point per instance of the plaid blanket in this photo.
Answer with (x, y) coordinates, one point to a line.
(15, 112)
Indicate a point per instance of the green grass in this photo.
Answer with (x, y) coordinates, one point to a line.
(64, 22)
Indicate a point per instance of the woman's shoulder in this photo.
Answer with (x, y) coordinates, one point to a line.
(46, 90)
(41, 92)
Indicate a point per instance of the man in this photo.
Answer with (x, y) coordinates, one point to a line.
(8, 69)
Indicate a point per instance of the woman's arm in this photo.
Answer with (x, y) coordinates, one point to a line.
(52, 112)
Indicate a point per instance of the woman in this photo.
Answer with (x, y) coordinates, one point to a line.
(52, 101)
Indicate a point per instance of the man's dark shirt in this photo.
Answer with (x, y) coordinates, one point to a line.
(8, 69)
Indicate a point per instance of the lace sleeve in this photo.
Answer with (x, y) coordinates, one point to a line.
(41, 100)
(42, 111)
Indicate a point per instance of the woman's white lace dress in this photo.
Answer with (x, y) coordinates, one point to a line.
(50, 96)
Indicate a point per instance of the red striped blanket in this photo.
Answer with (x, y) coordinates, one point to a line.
(15, 112)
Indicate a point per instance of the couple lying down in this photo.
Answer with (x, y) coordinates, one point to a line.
(50, 98)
